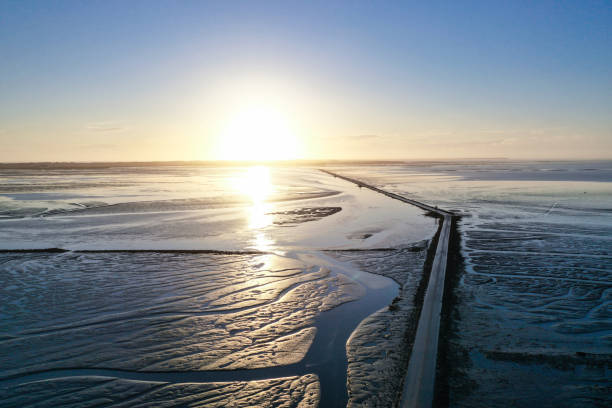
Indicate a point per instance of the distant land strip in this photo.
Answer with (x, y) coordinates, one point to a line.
(195, 163)
(230, 163)
(130, 251)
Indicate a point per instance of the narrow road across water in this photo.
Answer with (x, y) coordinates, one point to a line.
(418, 390)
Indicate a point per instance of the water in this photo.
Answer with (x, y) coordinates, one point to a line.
(197, 208)
(275, 308)
(533, 314)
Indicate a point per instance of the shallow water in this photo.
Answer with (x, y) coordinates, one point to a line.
(204, 328)
(171, 318)
(533, 311)
(200, 208)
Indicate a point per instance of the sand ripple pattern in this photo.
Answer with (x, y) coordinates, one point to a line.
(163, 312)
(534, 298)
(291, 392)
(378, 350)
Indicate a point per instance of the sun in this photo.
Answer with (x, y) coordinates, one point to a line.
(258, 133)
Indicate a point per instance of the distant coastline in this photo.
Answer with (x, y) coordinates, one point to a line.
(219, 163)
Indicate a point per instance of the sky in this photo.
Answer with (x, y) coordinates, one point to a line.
(194, 80)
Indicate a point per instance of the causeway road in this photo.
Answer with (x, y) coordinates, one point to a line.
(418, 388)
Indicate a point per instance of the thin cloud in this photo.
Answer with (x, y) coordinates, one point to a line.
(99, 146)
(106, 127)
(364, 137)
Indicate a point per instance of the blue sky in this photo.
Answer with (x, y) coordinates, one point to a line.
(148, 80)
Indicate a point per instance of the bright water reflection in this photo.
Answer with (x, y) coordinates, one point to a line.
(257, 185)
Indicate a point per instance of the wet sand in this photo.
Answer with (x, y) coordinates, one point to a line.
(273, 316)
(528, 311)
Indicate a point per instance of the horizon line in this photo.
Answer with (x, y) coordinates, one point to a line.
(83, 164)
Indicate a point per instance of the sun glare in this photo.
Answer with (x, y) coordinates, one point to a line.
(256, 184)
(259, 133)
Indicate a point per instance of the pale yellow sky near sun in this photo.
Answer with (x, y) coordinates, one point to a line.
(273, 117)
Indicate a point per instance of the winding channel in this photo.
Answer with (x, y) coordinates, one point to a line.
(326, 356)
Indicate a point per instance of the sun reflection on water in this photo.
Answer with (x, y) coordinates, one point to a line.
(257, 185)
